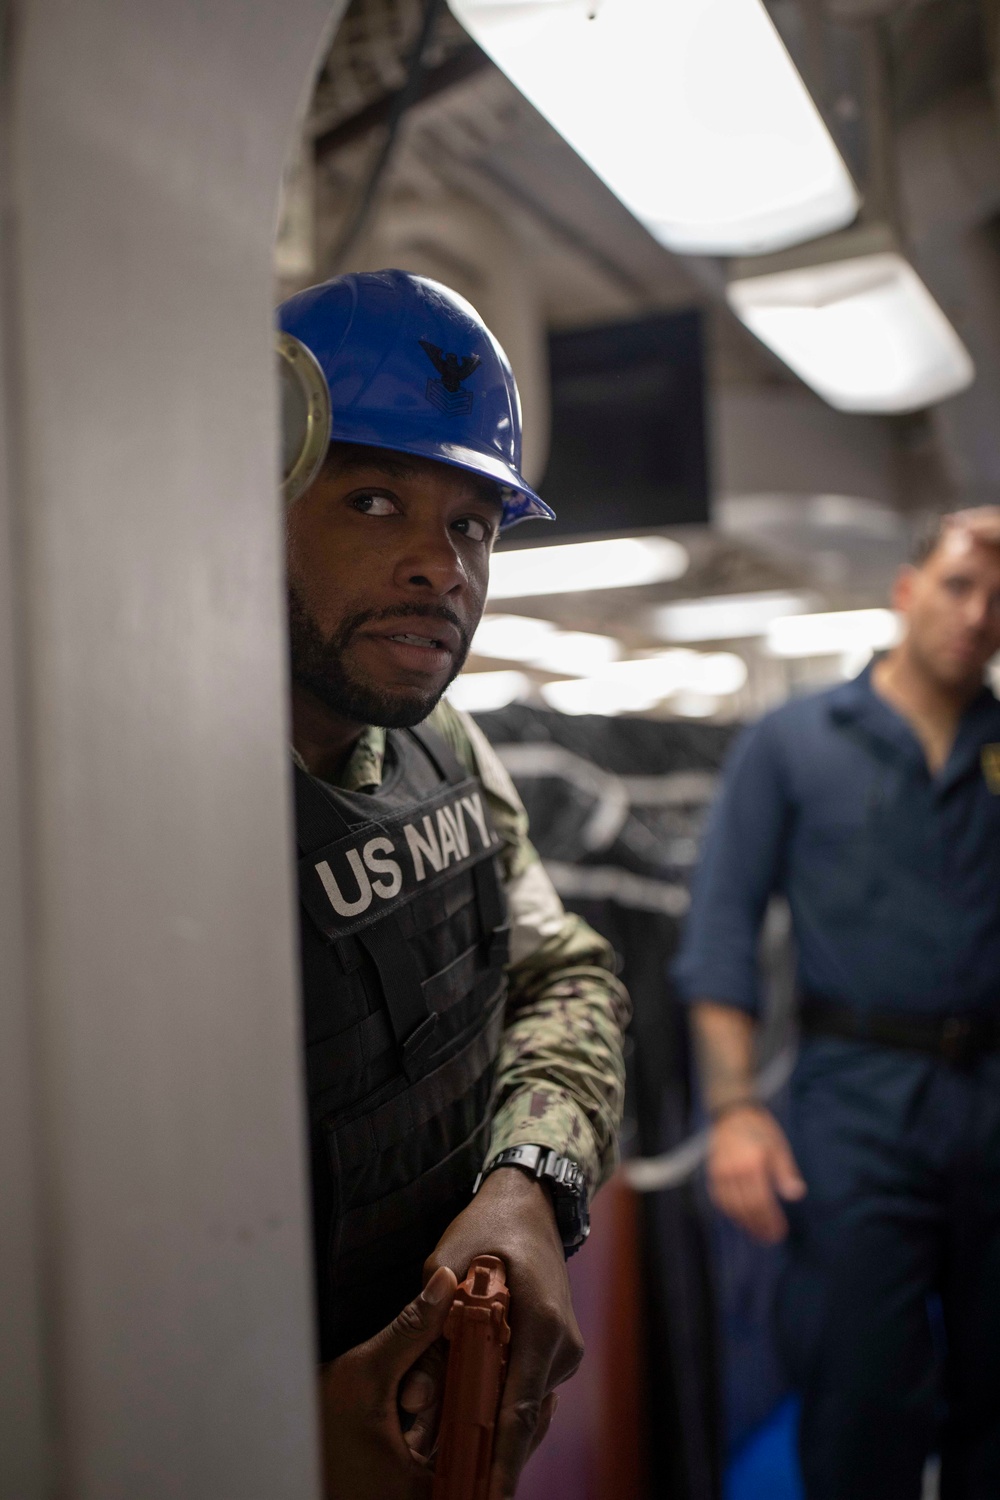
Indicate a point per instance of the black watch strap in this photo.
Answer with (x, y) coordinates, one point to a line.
(562, 1176)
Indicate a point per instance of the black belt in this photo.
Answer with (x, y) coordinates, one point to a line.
(959, 1040)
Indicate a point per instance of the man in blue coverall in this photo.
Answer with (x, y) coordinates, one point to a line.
(874, 808)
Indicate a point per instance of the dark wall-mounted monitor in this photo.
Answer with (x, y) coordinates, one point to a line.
(629, 441)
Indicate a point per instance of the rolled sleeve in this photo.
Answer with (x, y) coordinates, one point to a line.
(560, 1079)
(738, 869)
(561, 1073)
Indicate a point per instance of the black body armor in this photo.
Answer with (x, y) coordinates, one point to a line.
(404, 946)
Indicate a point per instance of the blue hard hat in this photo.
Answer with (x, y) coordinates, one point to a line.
(411, 366)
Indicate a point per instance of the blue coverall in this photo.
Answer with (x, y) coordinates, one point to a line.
(892, 876)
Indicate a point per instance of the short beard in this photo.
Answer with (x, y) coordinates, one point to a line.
(318, 664)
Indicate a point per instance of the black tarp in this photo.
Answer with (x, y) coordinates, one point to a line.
(616, 808)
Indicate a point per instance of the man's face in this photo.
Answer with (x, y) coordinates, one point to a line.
(388, 563)
(952, 607)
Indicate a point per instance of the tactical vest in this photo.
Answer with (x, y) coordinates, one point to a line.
(404, 946)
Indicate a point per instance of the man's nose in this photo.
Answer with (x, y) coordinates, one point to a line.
(431, 564)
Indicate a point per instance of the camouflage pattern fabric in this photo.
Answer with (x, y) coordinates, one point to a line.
(561, 1075)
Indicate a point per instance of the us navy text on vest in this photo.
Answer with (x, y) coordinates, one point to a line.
(382, 865)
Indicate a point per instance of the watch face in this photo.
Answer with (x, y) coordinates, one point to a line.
(573, 1222)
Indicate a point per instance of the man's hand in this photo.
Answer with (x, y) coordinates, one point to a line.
(750, 1167)
(511, 1216)
(365, 1453)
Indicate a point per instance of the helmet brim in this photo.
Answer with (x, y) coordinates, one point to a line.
(520, 502)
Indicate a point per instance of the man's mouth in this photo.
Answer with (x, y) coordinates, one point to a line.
(430, 643)
(430, 648)
(426, 633)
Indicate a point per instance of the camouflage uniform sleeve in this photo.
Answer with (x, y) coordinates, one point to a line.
(561, 1074)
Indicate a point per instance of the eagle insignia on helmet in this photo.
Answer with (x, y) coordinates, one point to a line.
(446, 393)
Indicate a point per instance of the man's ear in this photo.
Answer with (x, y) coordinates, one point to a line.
(902, 589)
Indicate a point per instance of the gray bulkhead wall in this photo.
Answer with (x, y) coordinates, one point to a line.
(24, 1468)
(155, 1109)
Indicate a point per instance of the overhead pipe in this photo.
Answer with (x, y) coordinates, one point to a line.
(949, 192)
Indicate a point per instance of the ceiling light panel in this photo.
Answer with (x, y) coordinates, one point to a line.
(726, 617)
(540, 644)
(619, 562)
(511, 637)
(482, 692)
(847, 631)
(640, 684)
(577, 651)
(864, 332)
(694, 705)
(690, 110)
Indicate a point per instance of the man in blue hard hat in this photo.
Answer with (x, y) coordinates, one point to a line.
(874, 808)
(463, 1033)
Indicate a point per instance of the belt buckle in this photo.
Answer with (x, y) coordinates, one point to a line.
(957, 1040)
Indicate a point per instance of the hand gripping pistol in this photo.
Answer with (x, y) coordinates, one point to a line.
(479, 1335)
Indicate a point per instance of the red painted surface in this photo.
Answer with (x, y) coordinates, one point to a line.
(595, 1449)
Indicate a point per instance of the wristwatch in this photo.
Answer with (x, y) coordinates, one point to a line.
(564, 1180)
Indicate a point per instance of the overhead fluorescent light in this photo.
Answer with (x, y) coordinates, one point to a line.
(720, 673)
(481, 692)
(640, 684)
(620, 562)
(726, 617)
(511, 637)
(576, 651)
(854, 320)
(541, 644)
(841, 633)
(591, 695)
(694, 705)
(691, 111)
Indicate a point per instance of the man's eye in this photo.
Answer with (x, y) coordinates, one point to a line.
(371, 503)
(475, 529)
